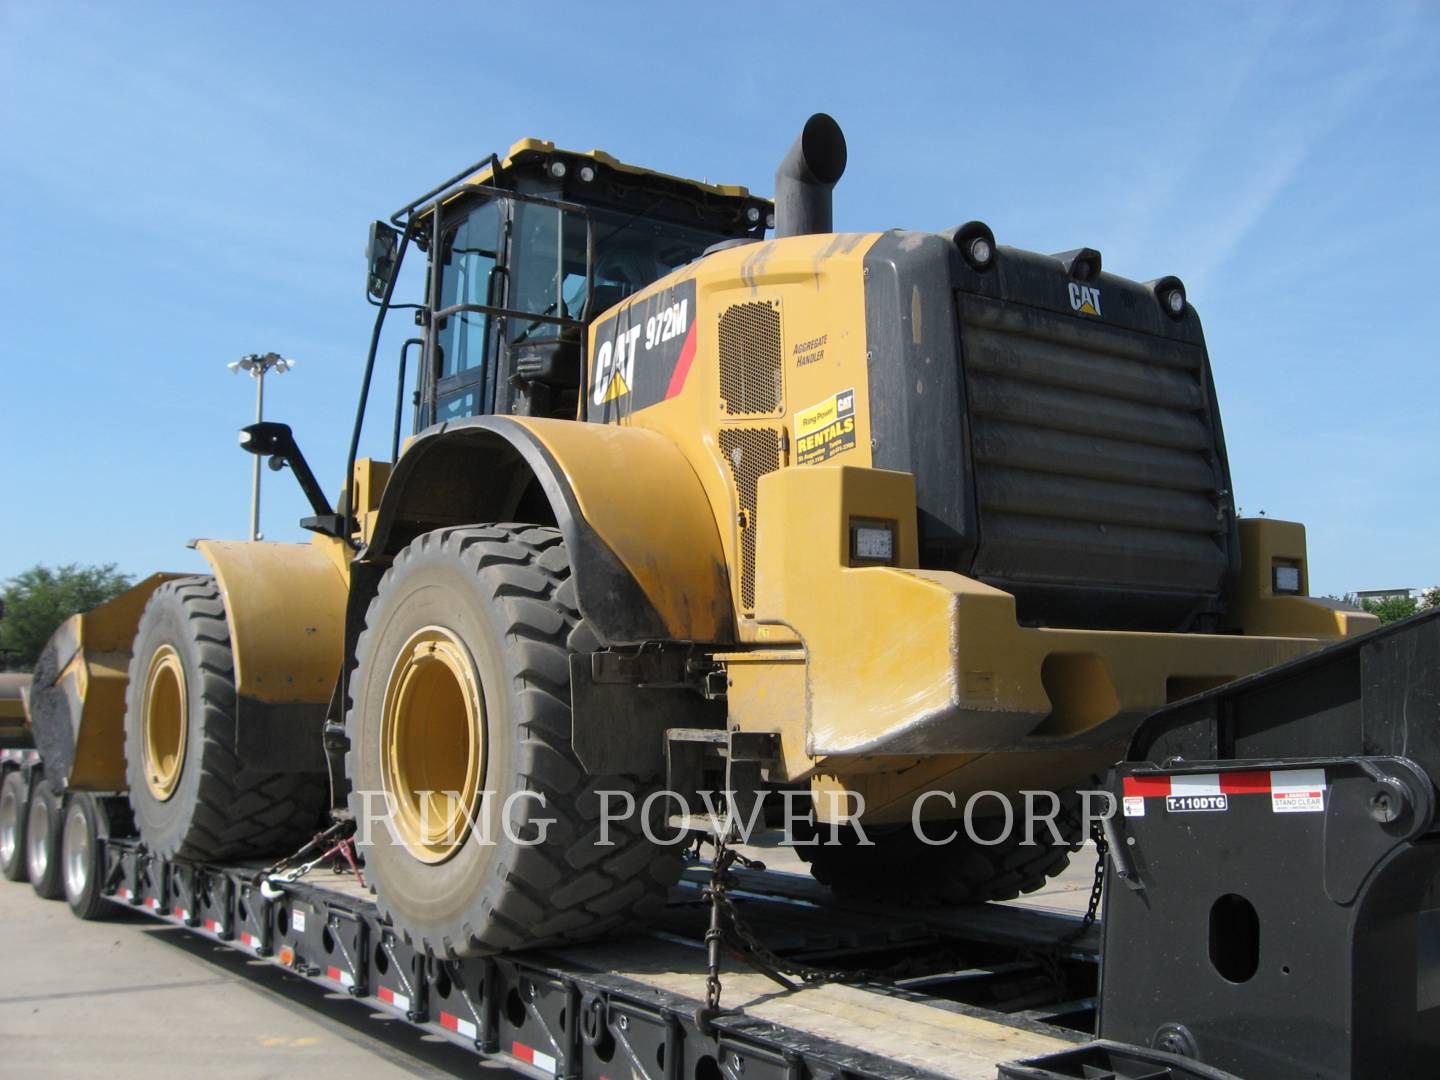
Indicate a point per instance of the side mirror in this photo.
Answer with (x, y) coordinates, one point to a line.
(381, 251)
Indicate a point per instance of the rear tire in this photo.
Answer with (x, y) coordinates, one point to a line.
(466, 648)
(82, 868)
(14, 809)
(42, 843)
(900, 869)
(193, 797)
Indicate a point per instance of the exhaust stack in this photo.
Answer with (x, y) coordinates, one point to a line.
(806, 177)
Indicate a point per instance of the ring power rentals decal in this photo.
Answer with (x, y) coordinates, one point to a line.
(642, 354)
(826, 429)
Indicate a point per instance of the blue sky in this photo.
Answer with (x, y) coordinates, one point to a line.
(188, 182)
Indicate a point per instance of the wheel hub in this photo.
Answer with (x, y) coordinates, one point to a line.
(166, 721)
(432, 744)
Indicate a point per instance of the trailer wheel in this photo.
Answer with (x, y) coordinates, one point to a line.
(192, 795)
(902, 869)
(462, 685)
(14, 809)
(42, 843)
(80, 855)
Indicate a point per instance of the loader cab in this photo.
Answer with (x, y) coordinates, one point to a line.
(525, 254)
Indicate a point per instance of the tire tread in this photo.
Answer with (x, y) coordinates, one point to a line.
(525, 575)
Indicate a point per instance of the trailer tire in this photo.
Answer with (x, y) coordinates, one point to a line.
(467, 646)
(42, 843)
(902, 869)
(14, 810)
(86, 824)
(192, 795)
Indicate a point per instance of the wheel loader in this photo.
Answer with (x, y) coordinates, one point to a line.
(696, 487)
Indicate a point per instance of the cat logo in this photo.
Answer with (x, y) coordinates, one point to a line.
(615, 366)
(1084, 298)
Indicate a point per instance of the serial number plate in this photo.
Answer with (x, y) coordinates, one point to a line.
(1179, 804)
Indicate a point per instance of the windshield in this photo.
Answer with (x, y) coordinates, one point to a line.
(631, 251)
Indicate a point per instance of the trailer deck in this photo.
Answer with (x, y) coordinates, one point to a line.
(984, 989)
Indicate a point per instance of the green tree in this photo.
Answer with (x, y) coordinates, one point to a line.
(40, 599)
(1392, 608)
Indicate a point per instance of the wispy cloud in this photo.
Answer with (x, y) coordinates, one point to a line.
(1280, 162)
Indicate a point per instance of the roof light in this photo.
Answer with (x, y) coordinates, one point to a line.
(769, 221)
(587, 173)
(752, 214)
(975, 242)
(1170, 293)
(558, 170)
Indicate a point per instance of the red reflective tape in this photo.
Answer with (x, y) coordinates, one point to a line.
(1245, 783)
(1146, 786)
(450, 1022)
(212, 926)
(333, 974)
(386, 995)
(523, 1052)
(682, 366)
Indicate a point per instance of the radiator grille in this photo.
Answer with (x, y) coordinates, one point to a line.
(749, 454)
(750, 359)
(1095, 454)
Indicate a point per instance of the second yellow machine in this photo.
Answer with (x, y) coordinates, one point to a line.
(885, 519)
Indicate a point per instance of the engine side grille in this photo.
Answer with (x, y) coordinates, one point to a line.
(750, 359)
(749, 454)
(1097, 462)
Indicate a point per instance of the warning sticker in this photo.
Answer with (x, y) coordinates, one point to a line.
(826, 429)
(1134, 805)
(1297, 791)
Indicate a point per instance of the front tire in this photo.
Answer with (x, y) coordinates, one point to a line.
(193, 796)
(462, 685)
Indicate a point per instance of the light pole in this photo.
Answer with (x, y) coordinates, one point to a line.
(257, 364)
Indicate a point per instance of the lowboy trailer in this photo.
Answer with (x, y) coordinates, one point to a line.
(1271, 910)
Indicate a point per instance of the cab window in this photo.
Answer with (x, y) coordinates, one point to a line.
(466, 277)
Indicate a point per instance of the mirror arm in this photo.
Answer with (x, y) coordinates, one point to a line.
(277, 442)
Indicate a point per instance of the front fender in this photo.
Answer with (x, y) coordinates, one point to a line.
(285, 609)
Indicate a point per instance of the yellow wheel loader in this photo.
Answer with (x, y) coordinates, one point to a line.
(895, 522)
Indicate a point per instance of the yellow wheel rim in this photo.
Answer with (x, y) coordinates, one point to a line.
(433, 744)
(167, 722)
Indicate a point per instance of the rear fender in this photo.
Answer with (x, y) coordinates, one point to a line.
(644, 547)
